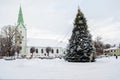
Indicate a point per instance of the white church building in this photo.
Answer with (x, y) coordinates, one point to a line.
(40, 52)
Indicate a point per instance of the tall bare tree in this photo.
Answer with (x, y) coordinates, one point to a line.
(48, 50)
(32, 50)
(8, 40)
(107, 46)
(2, 46)
(99, 45)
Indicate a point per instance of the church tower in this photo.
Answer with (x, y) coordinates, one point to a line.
(22, 42)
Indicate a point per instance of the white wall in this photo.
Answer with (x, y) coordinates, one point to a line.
(23, 32)
(44, 54)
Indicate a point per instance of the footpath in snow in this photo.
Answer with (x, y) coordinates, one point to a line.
(107, 68)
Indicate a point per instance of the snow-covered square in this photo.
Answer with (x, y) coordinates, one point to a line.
(106, 68)
(59, 40)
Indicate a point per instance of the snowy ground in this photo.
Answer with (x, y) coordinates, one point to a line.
(102, 69)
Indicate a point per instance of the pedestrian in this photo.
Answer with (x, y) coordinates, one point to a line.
(116, 56)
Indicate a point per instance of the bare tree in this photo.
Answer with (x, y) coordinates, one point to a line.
(8, 41)
(32, 50)
(107, 46)
(18, 48)
(1, 46)
(48, 50)
(99, 45)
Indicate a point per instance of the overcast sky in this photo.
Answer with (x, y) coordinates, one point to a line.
(53, 19)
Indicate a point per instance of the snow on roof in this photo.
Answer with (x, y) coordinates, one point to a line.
(112, 48)
(45, 43)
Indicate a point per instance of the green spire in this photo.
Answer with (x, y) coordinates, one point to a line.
(20, 17)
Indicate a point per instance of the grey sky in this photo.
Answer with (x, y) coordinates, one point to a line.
(53, 19)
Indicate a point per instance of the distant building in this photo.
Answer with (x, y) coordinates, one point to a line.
(112, 51)
(39, 51)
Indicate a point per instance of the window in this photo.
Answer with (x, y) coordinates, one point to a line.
(20, 42)
(18, 36)
(111, 50)
(41, 50)
(52, 51)
(44, 54)
(57, 51)
(20, 47)
(36, 50)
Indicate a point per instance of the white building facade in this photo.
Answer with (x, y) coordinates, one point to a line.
(41, 52)
(112, 51)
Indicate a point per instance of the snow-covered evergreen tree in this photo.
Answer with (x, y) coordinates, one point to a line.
(80, 48)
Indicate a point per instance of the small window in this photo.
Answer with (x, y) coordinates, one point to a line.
(111, 50)
(20, 31)
(57, 51)
(52, 51)
(41, 50)
(18, 36)
(22, 36)
(36, 50)
(44, 54)
(20, 42)
(20, 48)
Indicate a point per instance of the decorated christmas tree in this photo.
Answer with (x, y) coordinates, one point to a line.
(80, 47)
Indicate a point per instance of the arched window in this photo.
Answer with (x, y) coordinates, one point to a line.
(20, 47)
(111, 50)
(57, 51)
(20, 42)
(41, 50)
(44, 54)
(36, 50)
(52, 51)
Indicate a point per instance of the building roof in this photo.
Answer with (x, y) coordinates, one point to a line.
(20, 18)
(45, 43)
(112, 48)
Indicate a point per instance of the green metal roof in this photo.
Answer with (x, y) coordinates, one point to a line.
(20, 18)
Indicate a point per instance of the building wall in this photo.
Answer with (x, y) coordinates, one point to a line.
(111, 51)
(23, 36)
(55, 53)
